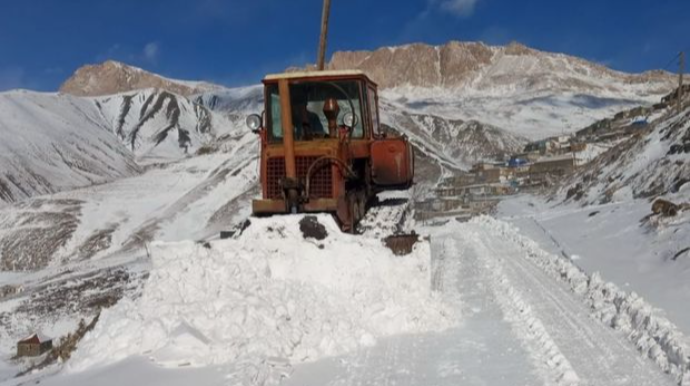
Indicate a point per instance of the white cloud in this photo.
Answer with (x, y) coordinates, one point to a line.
(151, 51)
(460, 8)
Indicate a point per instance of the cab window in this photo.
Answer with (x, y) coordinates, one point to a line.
(371, 97)
(308, 99)
(275, 125)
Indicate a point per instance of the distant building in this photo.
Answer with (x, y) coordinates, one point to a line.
(34, 345)
(537, 147)
(527, 156)
(439, 205)
(461, 180)
(578, 147)
(557, 166)
(481, 166)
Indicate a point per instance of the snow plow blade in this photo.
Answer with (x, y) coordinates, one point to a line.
(401, 244)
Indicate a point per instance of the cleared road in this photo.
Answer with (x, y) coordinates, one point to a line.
(519, 326)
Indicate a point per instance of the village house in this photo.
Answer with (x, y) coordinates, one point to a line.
(439, 205)
(495, 175)
(555, 166)
(578, 147)
(461, 180)
(453, 191)
(483, 166)
(34, 345)
(525, 157)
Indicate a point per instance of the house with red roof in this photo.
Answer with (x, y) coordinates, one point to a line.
(34, 345)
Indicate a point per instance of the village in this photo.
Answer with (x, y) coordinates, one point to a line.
(539, 166)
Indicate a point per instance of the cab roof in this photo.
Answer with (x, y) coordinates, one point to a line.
(315, 74)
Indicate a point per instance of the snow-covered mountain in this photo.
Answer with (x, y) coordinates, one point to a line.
(111, 77)
(452, 142)
(56, 142)
(157, 124)
(519, 89)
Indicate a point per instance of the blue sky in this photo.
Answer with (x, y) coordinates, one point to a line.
(235, 42)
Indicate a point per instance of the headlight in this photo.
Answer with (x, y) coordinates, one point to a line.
(350, 119)
(253, 122)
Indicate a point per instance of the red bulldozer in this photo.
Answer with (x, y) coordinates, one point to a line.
(323, 148)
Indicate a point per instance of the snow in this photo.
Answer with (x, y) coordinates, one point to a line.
(53, 143)
(139, 118)
(533, 114)
(612, 240)
(522, 324)
(491, 307)
(630, 256)
(639, 167)
(274, 298)
(591, 151)
(140, 371)
(56, 142)
(40, 335)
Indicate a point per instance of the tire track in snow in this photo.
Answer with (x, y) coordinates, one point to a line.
(552, 365)
(598, 354)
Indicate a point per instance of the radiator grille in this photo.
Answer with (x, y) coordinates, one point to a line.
(321, 180)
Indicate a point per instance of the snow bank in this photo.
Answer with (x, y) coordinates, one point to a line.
(651, 333)
(270, 297)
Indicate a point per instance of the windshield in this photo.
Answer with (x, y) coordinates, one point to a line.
(308, 117)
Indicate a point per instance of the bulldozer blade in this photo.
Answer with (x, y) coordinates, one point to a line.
(401, 244)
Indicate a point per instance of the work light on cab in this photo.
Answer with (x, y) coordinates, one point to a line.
(253, 122)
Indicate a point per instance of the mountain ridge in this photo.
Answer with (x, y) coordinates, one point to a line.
(113, 77)
(461, 64)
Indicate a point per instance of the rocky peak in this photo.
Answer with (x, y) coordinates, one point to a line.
(111, 77)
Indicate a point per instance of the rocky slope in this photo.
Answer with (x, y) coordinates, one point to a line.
(454, 143)
(158, 125)
(653, 163)
(113, 77)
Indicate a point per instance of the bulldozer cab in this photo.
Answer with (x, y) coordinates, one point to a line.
(322, 149)
(311, 102)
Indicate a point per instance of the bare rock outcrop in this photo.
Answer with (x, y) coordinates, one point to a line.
(113, 77)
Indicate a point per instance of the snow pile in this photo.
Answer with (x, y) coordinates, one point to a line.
(269, 297)
(652, 334)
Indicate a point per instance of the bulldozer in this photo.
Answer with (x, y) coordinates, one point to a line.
(323, 148)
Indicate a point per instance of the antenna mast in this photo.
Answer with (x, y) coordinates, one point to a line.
(324, 35)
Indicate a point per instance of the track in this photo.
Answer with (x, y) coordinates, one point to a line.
(518, 326)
